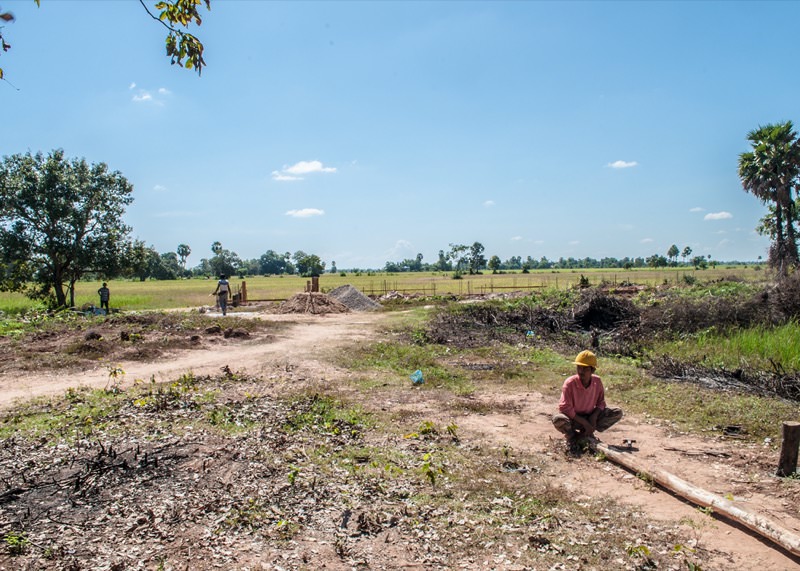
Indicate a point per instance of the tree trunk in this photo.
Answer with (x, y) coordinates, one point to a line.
(791, 442)
(751, 520)
(58, 288)
(72, 293)
(780, 245)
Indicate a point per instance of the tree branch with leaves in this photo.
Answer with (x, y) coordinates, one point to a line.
(183, 48)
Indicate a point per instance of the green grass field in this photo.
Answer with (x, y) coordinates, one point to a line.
(135, 295)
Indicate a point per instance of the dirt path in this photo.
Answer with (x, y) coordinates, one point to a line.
(302, 346)
(726, 468)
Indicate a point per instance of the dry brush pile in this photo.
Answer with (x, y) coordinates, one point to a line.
(614, 324)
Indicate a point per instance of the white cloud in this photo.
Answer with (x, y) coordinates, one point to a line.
(718, 216)
(284, 177)
(297, 170)
(697, 209)
(146, 96)
(622, 164)
(159, 188)
(305, 212)
(401, 248)
(516, 238)
(574, 242)
(489, 203)
(646, 241)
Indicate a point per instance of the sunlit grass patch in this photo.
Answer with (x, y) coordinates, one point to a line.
(404, 359)
(764, 348)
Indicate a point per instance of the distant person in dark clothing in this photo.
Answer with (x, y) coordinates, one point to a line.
(105, 295)
(222, 292)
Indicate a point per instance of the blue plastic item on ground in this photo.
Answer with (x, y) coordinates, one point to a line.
(417, 378)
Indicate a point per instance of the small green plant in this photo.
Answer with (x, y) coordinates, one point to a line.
(642, 553)
(294, 471)
(17, 543)
(429, 469)
(684, 552)
(428, 428)
(708, 510)
(116, 374)
(452, 430)
(647, 479)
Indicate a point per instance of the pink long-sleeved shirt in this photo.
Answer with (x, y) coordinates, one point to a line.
(577, 399)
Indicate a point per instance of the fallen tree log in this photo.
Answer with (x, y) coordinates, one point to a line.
(756, 522)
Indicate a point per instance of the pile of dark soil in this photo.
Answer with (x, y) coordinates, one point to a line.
(354, 299)
(313, 302)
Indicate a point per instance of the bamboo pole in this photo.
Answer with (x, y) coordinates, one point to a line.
(749, 519)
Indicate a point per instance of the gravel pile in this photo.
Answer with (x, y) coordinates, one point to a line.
(354, 299)
(314, 302)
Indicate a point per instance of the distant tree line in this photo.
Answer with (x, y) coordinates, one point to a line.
(61, 222)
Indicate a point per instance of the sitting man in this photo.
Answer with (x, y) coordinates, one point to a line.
(582, 409)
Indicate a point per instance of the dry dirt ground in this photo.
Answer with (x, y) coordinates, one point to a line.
(303, 352)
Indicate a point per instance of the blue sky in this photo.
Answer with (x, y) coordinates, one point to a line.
(365, 132)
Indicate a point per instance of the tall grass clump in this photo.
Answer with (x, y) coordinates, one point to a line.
(759, 347)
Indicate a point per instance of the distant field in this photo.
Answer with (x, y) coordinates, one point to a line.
(135, 295)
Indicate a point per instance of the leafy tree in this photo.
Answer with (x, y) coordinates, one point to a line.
(494, 264)
(514, 263)
(443, 264)
(168, 267)
(272, 262)
(140, 260)
(183, 252)
(183, 48)
(477, 261)
(60, 219)
(308, 264)
(657, 261)
(687, 251)
(459, 258)
(672, 253)
(771, 172)
(225, 262)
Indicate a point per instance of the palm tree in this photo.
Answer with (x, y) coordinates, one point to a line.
(183, 252)
(771, 171)
(672, 253)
